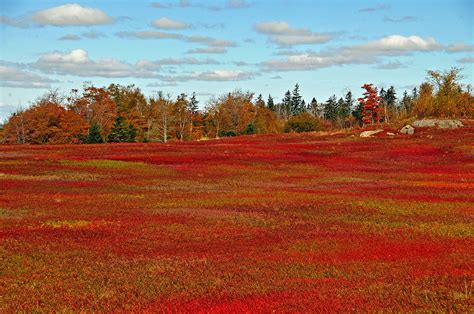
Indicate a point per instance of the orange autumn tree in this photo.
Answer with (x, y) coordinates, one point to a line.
(371, 105)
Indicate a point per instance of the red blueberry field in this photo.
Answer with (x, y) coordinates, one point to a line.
(290, 223)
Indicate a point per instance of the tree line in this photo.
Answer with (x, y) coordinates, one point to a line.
(118, 113)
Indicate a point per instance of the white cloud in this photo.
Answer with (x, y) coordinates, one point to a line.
(14, 77)
(281, 33)
(459, 47)
(78, 63)
(372, 52)
(166, 23)
(397, 44)
(72, 15)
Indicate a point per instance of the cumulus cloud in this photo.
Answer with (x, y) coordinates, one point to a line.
(14, 77)
(78, 63)
(281, 33)
(71, 15)
(459, 47)
(369, 53)
(166, 23)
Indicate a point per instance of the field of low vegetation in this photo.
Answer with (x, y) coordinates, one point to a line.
(286, 222)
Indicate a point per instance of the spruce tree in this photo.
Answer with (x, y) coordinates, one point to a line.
(296, 101)
(122, 132)
(286, 104)
(330, 108)
(270, 103)
(313, 108)
(345, 105)
(260, 102)
(94, 136)
(193, 104)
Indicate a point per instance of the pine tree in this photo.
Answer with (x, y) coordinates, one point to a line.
(193, 104)
(260, 102)
(296, 101)
(270, 103)
(313, 108)
(286, 104)
(122, 132)
(343, 111)
(94, 136)
(389, 100)
(330, 108)
(357, 114)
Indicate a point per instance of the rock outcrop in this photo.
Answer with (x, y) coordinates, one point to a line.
(370, 133)
(437, 123)
(407, 129)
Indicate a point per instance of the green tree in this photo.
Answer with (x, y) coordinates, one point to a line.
(330, 109)
(286, 105)
(270, 103)
(94, 136)
(260, 102)
(296, 103)
(122, 131)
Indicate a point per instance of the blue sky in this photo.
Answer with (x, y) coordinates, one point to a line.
(213, 47)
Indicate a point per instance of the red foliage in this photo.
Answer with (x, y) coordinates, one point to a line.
(285, 223)
(371, 104)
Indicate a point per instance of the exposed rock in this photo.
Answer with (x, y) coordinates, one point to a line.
(390, 134)
(437, 123)
(370, 133)
(407, 129)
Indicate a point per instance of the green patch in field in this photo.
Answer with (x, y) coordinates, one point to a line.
(66, 223)
(104, 163)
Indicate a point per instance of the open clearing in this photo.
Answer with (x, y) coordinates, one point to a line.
(285, 222)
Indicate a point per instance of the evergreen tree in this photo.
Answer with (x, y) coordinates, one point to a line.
(406, 103)
(357, 114)
(343, 108)
(313, 108)
(296, 104)
(389, 101)
(270, 103)
(122, 131)
(330, 108)
(193, 104)
(260, 102)
(286, 104)
(94, 136)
